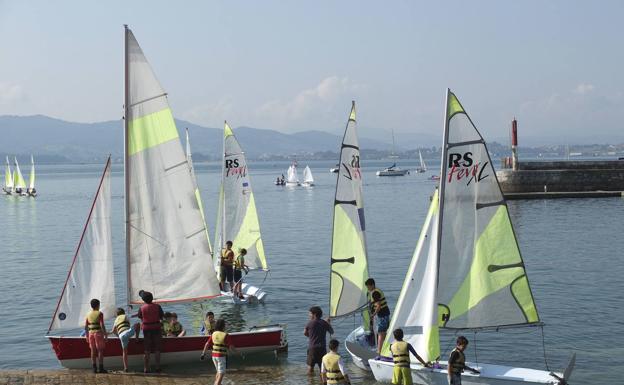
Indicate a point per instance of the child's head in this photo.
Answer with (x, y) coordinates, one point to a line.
(167, 316)
(316, 312)
(174, 317)
(398, 334)
(462, 342)
(220, 325)
(333, 345)
(243, 251)
(210, 316)
(95, 304)
(228, 244)
(120, 311)
(370, 283)
(147, 297)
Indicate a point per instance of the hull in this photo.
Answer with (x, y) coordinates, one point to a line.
(392, 172)
(307, 184)
(490, 374)
(251, 294)
(358, 347)
(74, 353)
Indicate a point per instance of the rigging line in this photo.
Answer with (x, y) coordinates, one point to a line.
(147, 235)
(544, 348)
(475, 349)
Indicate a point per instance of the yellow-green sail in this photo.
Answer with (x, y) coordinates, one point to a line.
(349, 265)
(18, 179)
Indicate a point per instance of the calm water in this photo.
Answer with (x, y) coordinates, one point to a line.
(573, 251)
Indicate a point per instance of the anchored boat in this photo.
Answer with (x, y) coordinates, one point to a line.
(167, 250)
(467, 272)
(393, 170)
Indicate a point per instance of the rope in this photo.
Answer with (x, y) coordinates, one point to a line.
(475, 349)
(544, 348)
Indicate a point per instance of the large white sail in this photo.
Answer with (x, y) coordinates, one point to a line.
(292, 176)
(307, 175)
(237, 216)
(349, 265)
(8, 177)
(31, 178)
(18, 178)
(189, 159)
(423, 166)
(167, 248)
(481, 281)
(91, 271)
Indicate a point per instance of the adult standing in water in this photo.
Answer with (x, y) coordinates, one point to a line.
(150, 314)
(378, 308)
(315, 330)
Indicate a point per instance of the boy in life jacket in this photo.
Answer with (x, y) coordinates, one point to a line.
(121, 327)
(165, 323)
(239, 266)
(400, 355)
(457, 362)
(332, 368)
(175, 328)
(150, 315)
(95, 332)
(379, 309)
(220, 343)
(209, 324)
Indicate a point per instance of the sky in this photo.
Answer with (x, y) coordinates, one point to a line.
(296, 65)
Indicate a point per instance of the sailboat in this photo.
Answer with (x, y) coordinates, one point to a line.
(31, 191)
(349, 263)
(467, 272)
(292, 178)
(237, 217)
(393, 170)
(308, 180)
(423, 167)
(189, 159)
(8, 178)
(18, 180)
(166, 248)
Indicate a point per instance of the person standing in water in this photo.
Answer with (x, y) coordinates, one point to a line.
(315, 330)
(332, 368)
(219, 342)
(379, 309)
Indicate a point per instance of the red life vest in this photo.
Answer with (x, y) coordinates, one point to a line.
(150, 314)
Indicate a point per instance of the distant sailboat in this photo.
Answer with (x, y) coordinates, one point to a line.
(8, 179)
(423, 166)
(31, 179)
(393, 155)
(18, 180)
(308, 180)
(292, 178)
(393, 170)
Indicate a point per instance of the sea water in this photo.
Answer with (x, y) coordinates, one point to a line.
(573, 250)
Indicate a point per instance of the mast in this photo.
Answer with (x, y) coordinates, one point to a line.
(126, 168)
(443, 166)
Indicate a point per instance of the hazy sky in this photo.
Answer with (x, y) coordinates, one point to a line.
(293, 65)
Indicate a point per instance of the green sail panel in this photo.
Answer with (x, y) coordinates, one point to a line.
(349, 265)
(481, 280)
(168, 250)
(237, 217)
(18, 178)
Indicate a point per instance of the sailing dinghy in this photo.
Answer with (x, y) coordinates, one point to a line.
(467, 272)
(308, 180)
(349, 263)
(19, 183)
(423, 167)
(292, 177)
(167, 250)
(237, 217)
(8, 178)
(31, 179)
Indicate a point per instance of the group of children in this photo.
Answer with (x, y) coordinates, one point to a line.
(231, 269)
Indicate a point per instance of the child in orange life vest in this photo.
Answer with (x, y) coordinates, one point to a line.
(220, 342)
(95, 332)
(400, 349)
(332, 368)
(121, 327)
(175, 328)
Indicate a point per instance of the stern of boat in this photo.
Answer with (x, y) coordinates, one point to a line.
(358, 346)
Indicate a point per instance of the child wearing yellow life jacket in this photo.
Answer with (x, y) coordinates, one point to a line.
(332, 368)
(121, 327)
(220, 342)
(400, 349)
(209, 324)
(95, 331)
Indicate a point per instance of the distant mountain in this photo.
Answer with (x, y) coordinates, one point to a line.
(55, 139)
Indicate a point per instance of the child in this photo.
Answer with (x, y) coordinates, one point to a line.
(239, 266)
(95, 331)
(121, 327)
(457, 362)
(400, 354)
(165, 323)
(220, 343)
(332, 368)
(175, 328)
(209, 324)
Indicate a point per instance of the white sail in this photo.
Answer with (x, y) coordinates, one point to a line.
(189, 159)
(31, 178)
(307, 175)
(423, 166)
(237, 217)
(18, 178)
(91, 271)
(8, 177)
(292, 176)
(167, 248)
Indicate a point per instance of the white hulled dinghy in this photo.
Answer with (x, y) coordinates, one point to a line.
(19, 184)
(292, 177)
(349, 264)
(8, 178)
(167, 250)
(237, 217)
(308, 179)
(31, 191)
(423, 167)
(467, 272)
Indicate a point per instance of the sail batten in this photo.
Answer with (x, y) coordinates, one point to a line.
(167, 255)
(348, 263)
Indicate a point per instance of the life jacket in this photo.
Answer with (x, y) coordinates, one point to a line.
(121, 323)
(460, 363)
(93, 321)
(209, 327)
(226, 261)
(382, 300)
(151, 316)
(400, 354)
(175, 328)
(239, 261)
(219, 348)
(333, 373)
